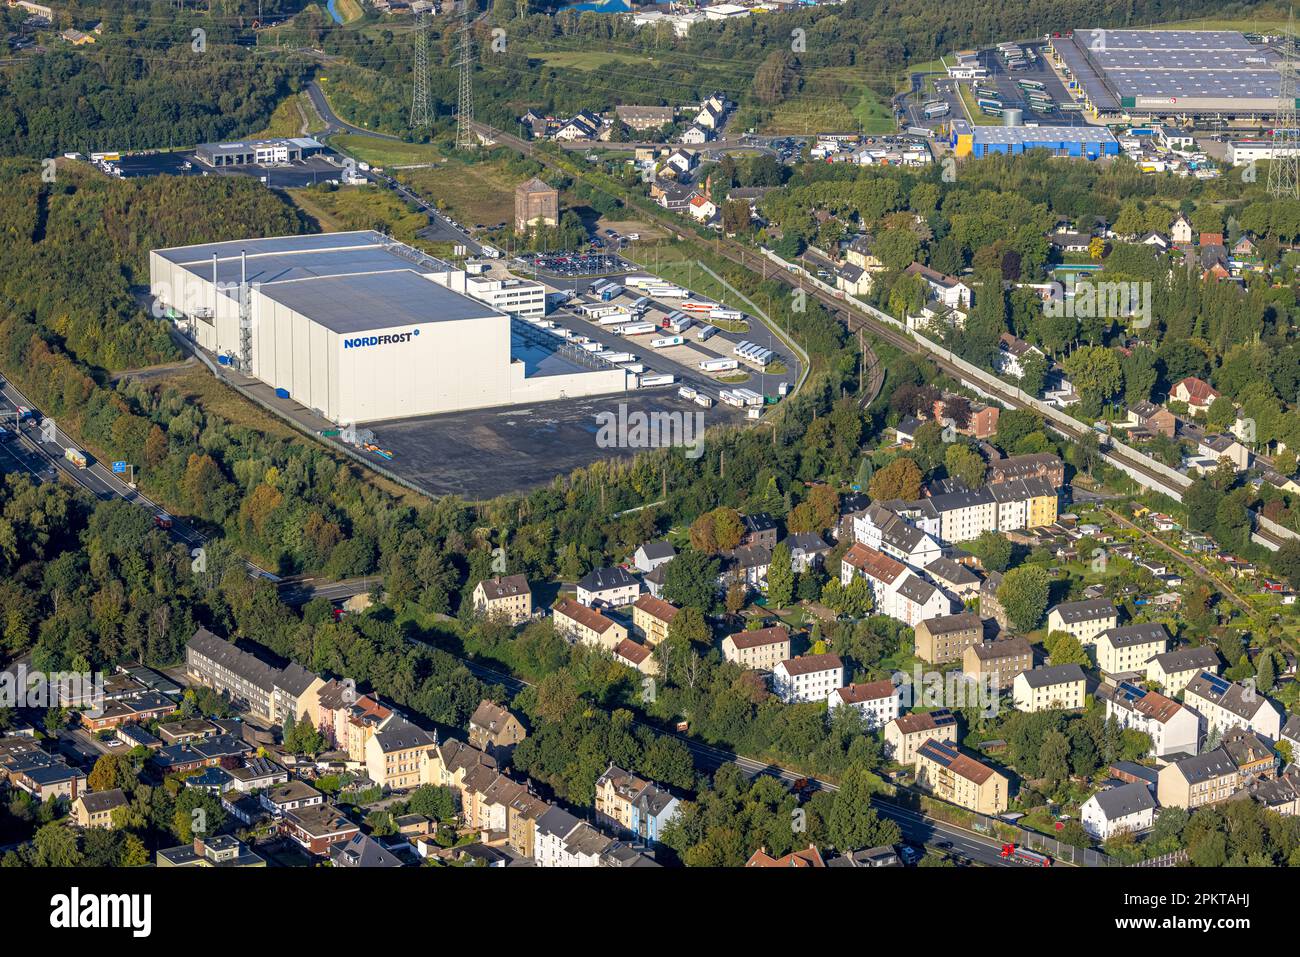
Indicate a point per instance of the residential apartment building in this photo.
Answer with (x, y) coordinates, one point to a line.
(318, 828)
(960, 779)
(1253, 756)
(651, 618)
(95, 809)
(1024, 503)
(887, 532)
(492, 728)
(636, 655)
(632, 805)
(137, 709)
(1174, 669)
(580, 623)
(1126, 649)
(807, 678)
(965, 515)
(906, 733)
(1172, 727)
(998, 661)
(1050, 688)
(1084, 620)
(509, 597)
(878, 701)
(1040, 465)
(1224, 704)
(396, 754)
(608, 586)
(807, 550)
(1199, 780)
(760, 529)
(946, 638)
(898, 593)
(269, 693)
(760, 650)
(954, 578)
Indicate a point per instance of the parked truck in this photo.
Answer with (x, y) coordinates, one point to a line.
(666, 341)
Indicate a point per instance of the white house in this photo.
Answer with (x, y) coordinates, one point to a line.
(1174, 669)
(1012, 353)
(1224, 704)
(695, 136)
(949, 290)
(1130, 807)
(807, 678)
(898, 593)
(609, 586)
(879, 701)
(702, 208)
(887, 532)
(1084, 620)
(1126, 649)
(1172, 727)
(1049, 688)
(651, 555)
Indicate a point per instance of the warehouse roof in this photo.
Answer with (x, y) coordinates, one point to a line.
(1173, 64)
(276, 260)
(1022, 135)
(372, 301)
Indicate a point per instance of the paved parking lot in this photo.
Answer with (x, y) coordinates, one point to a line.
(570, 266)
(308, 172)
(488, 452)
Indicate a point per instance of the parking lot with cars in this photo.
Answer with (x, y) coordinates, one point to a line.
(578, 264)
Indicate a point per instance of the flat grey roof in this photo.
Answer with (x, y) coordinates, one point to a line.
(347, 282)
(1042, 134)
(1183, 64)
(280, 258)
(381, 300)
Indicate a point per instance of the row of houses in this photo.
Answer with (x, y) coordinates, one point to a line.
(704, 121)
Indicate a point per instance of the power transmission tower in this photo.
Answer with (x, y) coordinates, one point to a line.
(465, 139)
(1284, 170)
(421, 111)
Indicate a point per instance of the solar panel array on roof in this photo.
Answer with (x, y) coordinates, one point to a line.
(1129, 692)
(1217, 684)
(941, 751)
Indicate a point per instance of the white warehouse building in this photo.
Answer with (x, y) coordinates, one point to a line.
(360, 327)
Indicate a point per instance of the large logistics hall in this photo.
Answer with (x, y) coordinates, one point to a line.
(1168, 72)
(1090, 142)
(361, 328)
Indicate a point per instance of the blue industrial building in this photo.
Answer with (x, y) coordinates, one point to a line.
(1088, 142)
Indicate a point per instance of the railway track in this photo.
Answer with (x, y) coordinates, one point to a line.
(856, 320)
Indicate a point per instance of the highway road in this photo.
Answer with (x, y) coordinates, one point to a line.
(335, 123)
(916, 828)
(39, 447)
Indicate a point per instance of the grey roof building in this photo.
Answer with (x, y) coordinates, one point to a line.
(362, 850)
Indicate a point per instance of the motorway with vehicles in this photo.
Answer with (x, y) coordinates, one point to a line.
(40, 449)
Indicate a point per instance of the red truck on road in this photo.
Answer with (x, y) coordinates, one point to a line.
(1025, 856)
